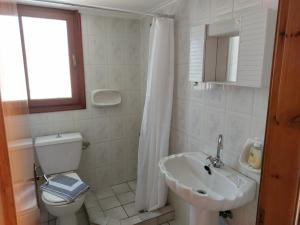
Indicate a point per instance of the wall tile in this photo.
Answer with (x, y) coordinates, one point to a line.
(97, 50)
(261, 102)
(214, 121)
(216, 96)
(240, 99)
(116, 50)
(96, 77)
(97, 25)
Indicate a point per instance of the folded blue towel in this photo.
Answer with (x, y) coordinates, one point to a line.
(65, 187)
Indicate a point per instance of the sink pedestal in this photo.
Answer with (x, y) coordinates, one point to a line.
(203, 217)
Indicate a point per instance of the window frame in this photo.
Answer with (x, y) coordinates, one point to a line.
(73, 20)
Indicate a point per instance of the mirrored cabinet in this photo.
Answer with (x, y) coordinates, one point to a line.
(236, 51)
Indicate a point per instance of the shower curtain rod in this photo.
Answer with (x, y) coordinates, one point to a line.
(103, 8)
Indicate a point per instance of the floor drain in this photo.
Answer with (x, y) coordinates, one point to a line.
(201, 192)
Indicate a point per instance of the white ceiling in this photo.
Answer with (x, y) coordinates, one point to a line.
(133, 5)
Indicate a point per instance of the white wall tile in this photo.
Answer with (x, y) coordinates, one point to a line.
(96, 77)
(261, 102)
(240, 100)
(96, 25)
(98, 49)
(216, 96)
(116, 50)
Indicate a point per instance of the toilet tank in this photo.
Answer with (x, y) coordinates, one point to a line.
(59, 153)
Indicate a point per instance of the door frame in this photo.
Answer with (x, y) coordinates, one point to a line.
(7, 199)
(6, 185)
(280, 181)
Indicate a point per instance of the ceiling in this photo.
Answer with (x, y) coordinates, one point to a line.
(132, 5)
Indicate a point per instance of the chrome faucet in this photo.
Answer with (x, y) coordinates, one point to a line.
(216, 161)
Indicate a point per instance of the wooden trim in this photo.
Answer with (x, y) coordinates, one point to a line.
(6, 187)
(78, 100)
(16, 107)
(281, 163)
(13, 198)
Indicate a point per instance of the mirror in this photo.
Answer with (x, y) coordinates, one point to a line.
(221, 51)
(214, 52)
(221, 58)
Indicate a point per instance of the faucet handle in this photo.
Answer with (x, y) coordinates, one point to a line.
(209, 158)
(220, 138)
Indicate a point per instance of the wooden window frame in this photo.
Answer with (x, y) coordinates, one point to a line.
(78, 99)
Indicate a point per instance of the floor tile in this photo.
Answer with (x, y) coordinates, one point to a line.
(94, 214)
(43, 213)
(104, 193)
(131, 220)
(132, 185)
(130, 209)
(166, 217)
(148, 215)
(109, 203)
(126, 198)
(121, 188)
(52, 222)
(150, 222)
(166, 209)
(51, 217)
(82, 218)
(116, 213)
(91, 202)
(113, 221)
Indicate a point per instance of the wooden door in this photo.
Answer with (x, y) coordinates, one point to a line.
(279, 193)
(18, 205)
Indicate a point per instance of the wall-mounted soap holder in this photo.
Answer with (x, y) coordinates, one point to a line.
(106, 97)
(245, 168)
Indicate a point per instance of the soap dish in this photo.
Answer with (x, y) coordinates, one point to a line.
(106, 97)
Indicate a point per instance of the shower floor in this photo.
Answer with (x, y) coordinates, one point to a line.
(115, 206)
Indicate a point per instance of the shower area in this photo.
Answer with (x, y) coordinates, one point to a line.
(117, 57)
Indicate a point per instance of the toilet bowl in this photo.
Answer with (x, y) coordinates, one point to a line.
(60, 208)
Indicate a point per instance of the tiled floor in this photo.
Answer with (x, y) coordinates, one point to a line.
(115, 206)
(47, 219)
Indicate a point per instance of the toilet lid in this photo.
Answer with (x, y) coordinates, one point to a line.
(53, 198)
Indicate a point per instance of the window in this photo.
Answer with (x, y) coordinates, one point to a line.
(52, 51)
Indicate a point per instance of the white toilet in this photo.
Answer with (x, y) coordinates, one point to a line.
(60, 154)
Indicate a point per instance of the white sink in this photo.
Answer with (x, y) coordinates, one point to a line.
(224, 189)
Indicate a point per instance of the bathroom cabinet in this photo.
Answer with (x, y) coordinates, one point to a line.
(256, 39)
(204, 10)
(242, 4)
(257, 35)
(221, 7)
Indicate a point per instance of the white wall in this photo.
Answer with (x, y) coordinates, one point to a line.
(200, 115)
(112, 60)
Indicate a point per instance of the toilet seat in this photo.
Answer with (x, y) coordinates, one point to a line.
(55, 200)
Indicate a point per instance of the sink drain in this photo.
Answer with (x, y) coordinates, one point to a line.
(202, 192)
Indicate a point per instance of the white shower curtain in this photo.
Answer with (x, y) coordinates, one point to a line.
(151, 190)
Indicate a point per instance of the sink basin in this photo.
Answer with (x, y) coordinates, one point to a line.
(223, 189)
